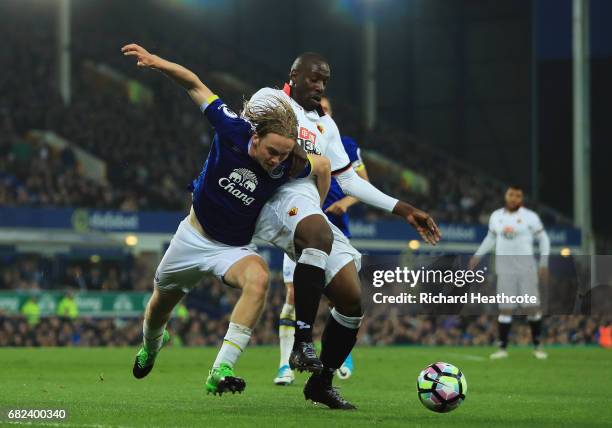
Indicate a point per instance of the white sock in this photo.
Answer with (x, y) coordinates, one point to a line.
(152, 337)
(286, 333)
(234, 342)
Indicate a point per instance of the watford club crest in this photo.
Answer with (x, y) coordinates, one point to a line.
(509, 232)
(293, 212)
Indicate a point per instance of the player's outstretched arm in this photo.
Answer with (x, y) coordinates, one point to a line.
(197, 90)
(321, 168)
(342, 206)
(353, 185)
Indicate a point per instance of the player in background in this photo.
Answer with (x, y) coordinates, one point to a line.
(293, 221)
(336, 205)
(512, 230)
(250, 158)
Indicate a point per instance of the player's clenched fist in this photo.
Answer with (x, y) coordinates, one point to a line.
(144, 57)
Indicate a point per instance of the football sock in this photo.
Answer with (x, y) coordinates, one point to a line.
(234, 342)
(324, 378)
(152, 337)
(339, 337)
(349, 361)
(505, 322)
(535, 322)
(308, 284)
(286, 331)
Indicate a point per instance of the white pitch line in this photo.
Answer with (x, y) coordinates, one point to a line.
(468, 357)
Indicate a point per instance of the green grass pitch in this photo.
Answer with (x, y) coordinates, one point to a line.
(572, 388)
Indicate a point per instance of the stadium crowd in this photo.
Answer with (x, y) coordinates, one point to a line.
(204, 317)
(198, 329)
(35, 272)
(153, 151)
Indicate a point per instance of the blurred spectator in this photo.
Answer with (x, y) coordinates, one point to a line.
(67, 307)
(605, 336)
(31, 311)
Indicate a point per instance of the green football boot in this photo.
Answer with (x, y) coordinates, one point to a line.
(222, 379)
(145, 358)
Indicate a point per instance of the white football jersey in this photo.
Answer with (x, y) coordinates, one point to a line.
(515, 233)
(317, 134)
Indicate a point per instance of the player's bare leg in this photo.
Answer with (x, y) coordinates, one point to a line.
(313, 241)
(339, 337)
(286, 332)
(251, 275)
(158, 312)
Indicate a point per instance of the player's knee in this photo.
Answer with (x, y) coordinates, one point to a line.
(162, 302)
(290, 296)
(314, 232)
(322, 239)
(350, 304)
(257, 280)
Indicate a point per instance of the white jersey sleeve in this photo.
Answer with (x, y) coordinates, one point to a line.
(537, 228)
(488, 243)
(335, 150)
(492, 219)
(353, 185)
(266, 93)
(535, 224)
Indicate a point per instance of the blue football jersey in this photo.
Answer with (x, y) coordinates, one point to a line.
(336, 193)
(232, 188)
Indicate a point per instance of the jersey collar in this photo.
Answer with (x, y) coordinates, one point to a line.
(517, 211)
(287, 90)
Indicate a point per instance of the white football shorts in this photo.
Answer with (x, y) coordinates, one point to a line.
(191, 255)
(279, 219)
(518, 284)
(288, 269)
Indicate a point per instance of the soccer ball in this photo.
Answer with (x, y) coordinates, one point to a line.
(343, 372)
(441, 387)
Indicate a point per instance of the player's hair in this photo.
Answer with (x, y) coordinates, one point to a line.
(516, 187)
(271, 114)
(307, 58)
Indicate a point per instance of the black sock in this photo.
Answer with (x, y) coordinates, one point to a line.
(336, 343)
(504, 332)
(308, 284)
(324, 378)
(536, 330)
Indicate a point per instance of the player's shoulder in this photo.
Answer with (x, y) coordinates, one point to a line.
(531, 215)
(329, 129)
(498, 212)
(528, 212)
